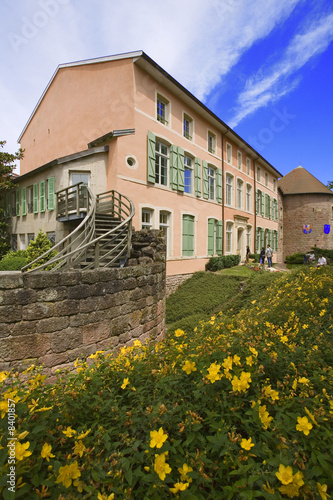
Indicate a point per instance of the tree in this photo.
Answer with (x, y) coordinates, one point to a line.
(7, 165)
(330, 185)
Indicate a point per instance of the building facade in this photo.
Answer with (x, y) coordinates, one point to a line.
(305, 213)
(123, 123)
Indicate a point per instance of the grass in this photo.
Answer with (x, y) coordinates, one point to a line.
(206, 294)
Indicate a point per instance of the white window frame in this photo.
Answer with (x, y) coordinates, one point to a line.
(248, 235)
(165, 227)
(145, 224)
(239, 160)
(229, 153)
(240, 193)
(211, 142)
(189, 167)
(78, 172)
(211, 182)
(266, 179)
(159, 154)
(229, 227)
(190, 134)
(165, 120)
(231, 185)
(248, 197)
(258, 173)
(248, 166)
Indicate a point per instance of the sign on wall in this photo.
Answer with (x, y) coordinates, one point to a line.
(307, 228)
(327, 228)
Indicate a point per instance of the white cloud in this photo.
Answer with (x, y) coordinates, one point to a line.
(271, 84)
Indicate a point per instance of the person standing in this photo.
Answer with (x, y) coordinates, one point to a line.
(262, 256)
(248, 251)
(269, 255)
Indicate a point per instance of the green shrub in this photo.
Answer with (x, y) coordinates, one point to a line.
(217, 263)
(328, 254)
(240, 409)
(255, 257)
(39, 246)
(13, 261)
(295, 258)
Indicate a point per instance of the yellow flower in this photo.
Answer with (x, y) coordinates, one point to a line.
(189, 366)
(227, 363)
(125, 383)
(69, 432)
(267, 487)
(179, 487)
(183, 471)
(254, 351)
(22, 435)
(247, 444)
(105, 497)
(33, 405)
(322, 312)
(84, 434)
(290, 490)
(284, 339)
(79, 485)
(160, 466)
(285, 474)
(79, 448)
(322, 489)
(46, 452)
(67, 474)
(21, 451)
(213, 373)
(271, 393)
(249, 360)
(303, 380)
(3, 376)
(236, 360)
(242, 383)
(304, 425)
(157, 438)
(179, 332)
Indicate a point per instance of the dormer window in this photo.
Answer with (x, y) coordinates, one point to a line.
(188, 127)
(162, 110)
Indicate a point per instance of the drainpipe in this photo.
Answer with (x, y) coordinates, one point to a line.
(255, 202)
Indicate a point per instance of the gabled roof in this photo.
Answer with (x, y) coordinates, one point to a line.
(300, 181)
(149, 65)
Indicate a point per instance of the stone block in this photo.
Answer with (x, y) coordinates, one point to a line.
(79, 291)
(11, 280)
(118, 326)
(66, 307)
(81, 352)
(52, 294)
(23, 328)
(106, 302)
(91, 276)
(24, 347)
(79, 319)
(66, 339)
(98, 289)
(49, 325)
(53, 359)
(69, 278)
(10, 314)
(5, 330)
(37, 311)
(95, 332)
(114, 287)
(42, 279)
(89, 304)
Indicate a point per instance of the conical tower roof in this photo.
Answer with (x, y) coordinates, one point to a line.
(300, 181)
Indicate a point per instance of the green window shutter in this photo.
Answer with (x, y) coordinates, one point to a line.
(174, 167)
(257, 201)
(261, 238)
(17, 200)
(35, 198)
(188, 235)
(42, 196)
(50, 194)
(219, 185)
(205, 179)
(265, 205)
(24, 201)
(211, 228)
(219, 237)
(276, 210)
(151, 157)
(197, 174)
(257, 240)
(262, 204)
(276, 240)
(270, 237)
(180, 170)
(269, 206)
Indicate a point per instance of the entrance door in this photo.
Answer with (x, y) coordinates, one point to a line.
(240, 243)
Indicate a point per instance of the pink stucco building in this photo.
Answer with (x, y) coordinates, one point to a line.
(121, 122)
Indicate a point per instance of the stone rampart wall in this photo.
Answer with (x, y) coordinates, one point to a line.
(52, 318)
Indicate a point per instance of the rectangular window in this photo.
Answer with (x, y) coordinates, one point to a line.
(30, 237)
(164, 227)
(188, 174)
(228, 237)
(76, 177)
(228, 189)
(214, 237)
(258, 174)
(51, 237)
(248, 166)
(239, 160)
(17, 202)
(13, 242)
(162, 110)
(259, 202)
(274, 185)
(146, 218)
(211, 142)
(188, 127)
(188, 236)
(248, 198)
(211, 183)
(229, 153)
(266, 179)
(240, 193)
(248, 236)
(161, 163)
(22, 241)
(42, 196)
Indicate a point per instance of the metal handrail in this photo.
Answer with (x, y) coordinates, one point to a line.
(111, 203)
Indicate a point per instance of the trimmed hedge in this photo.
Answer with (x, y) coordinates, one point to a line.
(14, 261)
(295, 258)
(223, 262)
(255, 257)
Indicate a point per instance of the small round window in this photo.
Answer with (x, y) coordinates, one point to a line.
(131, 162)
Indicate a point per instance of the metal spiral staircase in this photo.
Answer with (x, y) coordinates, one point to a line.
(102, 238)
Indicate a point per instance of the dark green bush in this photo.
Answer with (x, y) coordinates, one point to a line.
(14, 261)
(328, 254)
(223, 262)
(255, 257)
(295, 258)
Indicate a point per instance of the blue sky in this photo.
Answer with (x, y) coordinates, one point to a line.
(265, 67)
